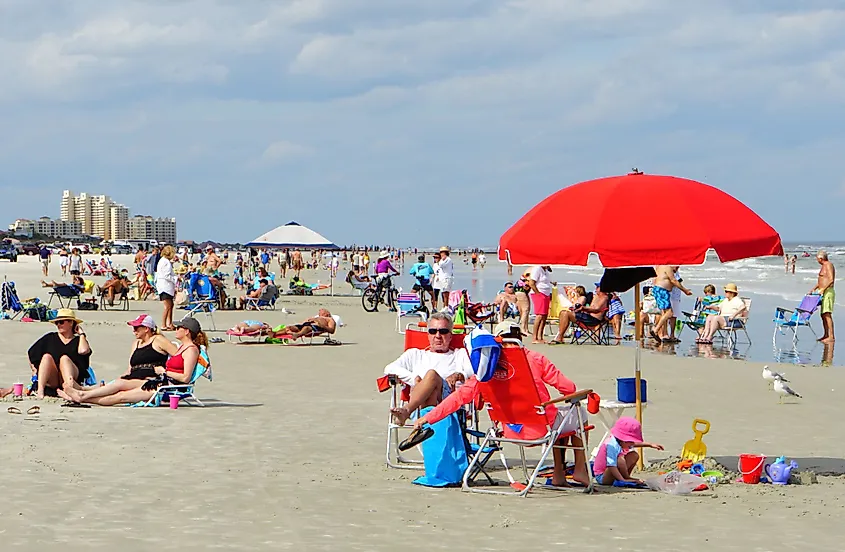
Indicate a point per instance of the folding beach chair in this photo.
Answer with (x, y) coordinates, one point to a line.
(65, 295)
(202, 297)
(477, 313)
(416, 337)
(735, 325)
(513, 401)
(696, 319)
(185, 391)
(409, 304)
(798, 318)
(9, 301)
(254, 303)
(598, 335)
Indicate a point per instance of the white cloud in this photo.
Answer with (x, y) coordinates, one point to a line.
(283, 151)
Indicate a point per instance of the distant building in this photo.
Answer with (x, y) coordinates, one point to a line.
(46, 226)
(142, 227)
(98, 215)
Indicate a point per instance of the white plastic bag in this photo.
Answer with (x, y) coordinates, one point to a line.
(675, 482)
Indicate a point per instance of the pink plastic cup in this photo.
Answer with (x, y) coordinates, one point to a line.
(17, 389)
(174, 402)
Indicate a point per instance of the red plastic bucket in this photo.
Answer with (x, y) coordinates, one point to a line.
(751, 467)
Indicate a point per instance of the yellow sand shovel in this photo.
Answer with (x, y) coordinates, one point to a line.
(695, 449)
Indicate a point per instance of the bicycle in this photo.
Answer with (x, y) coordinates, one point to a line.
(383, 293)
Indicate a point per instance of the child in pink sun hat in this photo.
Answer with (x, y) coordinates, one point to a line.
(616, 458)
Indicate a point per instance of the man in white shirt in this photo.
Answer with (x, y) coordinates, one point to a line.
(445, 274)
(541, 298)
(433, 373)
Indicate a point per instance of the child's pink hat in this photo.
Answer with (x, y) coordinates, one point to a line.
(627, 429)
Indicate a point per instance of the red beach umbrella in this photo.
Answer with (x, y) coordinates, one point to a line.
(610, 217)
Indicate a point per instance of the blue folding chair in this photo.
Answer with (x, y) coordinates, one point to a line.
(798, 318)
(185, 391)
(65, 295)
(202, 297)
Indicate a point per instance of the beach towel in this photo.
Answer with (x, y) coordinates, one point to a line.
(483, 351)
(444, 455)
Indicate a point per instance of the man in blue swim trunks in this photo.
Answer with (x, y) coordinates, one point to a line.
(664, 283)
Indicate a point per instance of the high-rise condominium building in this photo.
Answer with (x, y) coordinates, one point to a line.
(141, 227)
(98, 215)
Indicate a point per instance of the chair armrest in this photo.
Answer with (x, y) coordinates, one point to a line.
(783, 310)
(798, 309)
(572, 397)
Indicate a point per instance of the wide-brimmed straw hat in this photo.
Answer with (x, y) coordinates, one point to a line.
(444, 249)
(65, 314)
(627, 429)
(383, 255)
(732, 288)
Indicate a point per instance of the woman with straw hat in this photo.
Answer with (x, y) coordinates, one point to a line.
(730, 307)
(60, 359)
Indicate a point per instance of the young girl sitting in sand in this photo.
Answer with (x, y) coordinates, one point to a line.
(616, 458)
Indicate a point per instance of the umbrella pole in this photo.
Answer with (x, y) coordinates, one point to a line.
(637, 378)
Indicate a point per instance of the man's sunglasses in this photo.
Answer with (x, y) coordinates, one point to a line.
(441, 331)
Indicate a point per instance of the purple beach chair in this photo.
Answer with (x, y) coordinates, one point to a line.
(800, 317)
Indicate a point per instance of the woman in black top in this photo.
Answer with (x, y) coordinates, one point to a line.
(60, 359)
(149, 351)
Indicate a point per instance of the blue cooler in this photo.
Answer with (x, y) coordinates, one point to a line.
(626, 390)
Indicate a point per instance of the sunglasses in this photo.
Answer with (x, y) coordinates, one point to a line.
(64, 322)
(441, 331)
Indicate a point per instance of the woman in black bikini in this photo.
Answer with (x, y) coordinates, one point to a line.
(149, 352)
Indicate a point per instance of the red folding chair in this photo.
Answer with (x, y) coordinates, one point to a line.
(513, 399)
(416, 337)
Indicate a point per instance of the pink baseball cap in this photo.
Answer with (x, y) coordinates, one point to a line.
(143, 320)
(627, 429)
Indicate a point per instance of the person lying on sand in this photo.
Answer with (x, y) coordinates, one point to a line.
(178, 368)
(544, 373)
(322, 323)
(433, 373)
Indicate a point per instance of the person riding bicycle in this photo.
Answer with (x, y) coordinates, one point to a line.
(423, 272)
(383, 268)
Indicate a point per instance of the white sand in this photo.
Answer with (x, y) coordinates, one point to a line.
(304, 469)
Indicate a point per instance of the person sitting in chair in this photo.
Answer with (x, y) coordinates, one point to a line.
(116, 285)
(589, 316)
(265, 294)
(432, 373)
(506, 301)
(322, 323)
(729, 309)
(544, 373)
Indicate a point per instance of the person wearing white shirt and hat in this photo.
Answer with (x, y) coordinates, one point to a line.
(444, 273)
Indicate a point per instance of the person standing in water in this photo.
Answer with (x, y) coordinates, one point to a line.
(824, 286)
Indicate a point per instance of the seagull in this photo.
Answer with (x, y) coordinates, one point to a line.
(783, 389)
(770, 375)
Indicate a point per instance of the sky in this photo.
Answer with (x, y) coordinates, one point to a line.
(417, 123)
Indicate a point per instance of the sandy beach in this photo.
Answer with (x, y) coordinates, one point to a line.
(289, 453)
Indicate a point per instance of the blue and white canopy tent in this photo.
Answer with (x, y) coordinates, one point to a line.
(294, 235)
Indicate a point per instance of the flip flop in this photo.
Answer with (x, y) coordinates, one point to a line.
(33, 410)
(416, 437)
(13, 410)
(655, 336)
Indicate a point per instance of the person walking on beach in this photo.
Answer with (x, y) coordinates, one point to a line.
(664, 283)
(165, 282)
(45, 255)
(824, 286)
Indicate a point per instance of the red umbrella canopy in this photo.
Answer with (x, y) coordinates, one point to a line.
(638, 220)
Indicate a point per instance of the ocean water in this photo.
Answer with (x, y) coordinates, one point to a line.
(764, 280)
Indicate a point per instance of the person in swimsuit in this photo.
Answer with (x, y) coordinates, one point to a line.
(824, 286)
(322, 323)
(663, 285)
(60, 359)
(149, 352)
